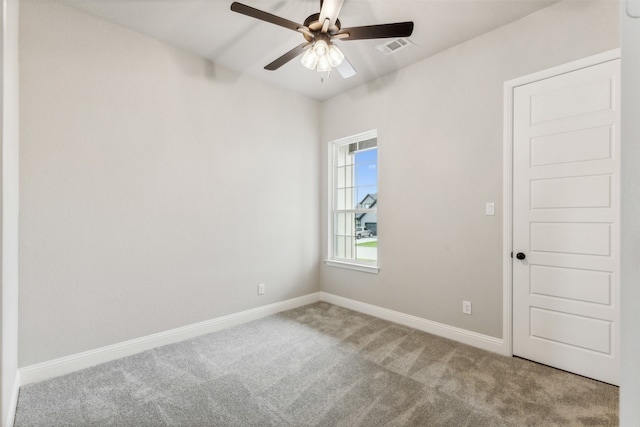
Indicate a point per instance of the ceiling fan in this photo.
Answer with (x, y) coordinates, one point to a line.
(320, 30)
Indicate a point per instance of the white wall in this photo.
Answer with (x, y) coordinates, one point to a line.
(9, 213)
(440, 133)
(630, 274)
(157, 189)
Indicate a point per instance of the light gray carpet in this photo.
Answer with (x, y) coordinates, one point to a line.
(318, 365)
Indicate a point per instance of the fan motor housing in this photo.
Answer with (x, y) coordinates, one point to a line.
(311, 19)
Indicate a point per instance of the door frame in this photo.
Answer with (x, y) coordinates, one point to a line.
(507, 179)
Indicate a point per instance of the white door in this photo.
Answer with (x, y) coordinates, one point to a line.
(566, 208)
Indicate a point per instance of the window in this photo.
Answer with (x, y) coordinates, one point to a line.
(353, 220)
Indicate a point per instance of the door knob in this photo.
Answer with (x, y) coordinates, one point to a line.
(520, 255)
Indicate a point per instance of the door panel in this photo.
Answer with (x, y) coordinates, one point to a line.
(571, 330)
(571, 283)
(574, 146)
(566, 221)
(581, 192)
(571, 238)
(572, 100)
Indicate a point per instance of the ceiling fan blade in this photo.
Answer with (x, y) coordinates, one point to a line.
(345, 69)
(383, 31)
(330, 9)
(264, 16)
(287, 57)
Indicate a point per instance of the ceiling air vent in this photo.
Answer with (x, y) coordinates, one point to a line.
(393, 46)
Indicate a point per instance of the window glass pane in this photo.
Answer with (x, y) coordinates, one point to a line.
(366, 234)
(340, 177)
(344, 177)
(366, 196)
(344, 198)
(356, 237)
(343, 238)
(355, 233)
(344, 156)
(368, 222)
(349, 250)
(367, 167)
(340, 199)
(348, 195)
(339, 251)
(344, 224)
(344, 235)
(366, 179)
(340, 228)
(340, 156)
(367, 250)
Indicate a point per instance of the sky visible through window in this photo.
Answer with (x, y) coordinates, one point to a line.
(366, 173)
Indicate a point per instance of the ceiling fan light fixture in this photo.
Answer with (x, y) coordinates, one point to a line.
(322, 56)
(323, 64)
(309, 59)
(321, 48)
(335, 55)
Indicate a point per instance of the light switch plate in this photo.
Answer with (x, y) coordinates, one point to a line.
(490, 208)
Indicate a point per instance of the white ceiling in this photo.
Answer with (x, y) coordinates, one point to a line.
(210, 29)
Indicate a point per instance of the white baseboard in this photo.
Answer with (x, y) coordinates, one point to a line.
(475, 339)
(75, 362)
(13, 402)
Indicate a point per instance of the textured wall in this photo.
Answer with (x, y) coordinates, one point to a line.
(440, 136)
(157, 189)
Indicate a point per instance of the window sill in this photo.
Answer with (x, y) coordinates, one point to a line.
(352, 266)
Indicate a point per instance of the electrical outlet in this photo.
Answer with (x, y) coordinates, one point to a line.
(466, 307)
(260, 288)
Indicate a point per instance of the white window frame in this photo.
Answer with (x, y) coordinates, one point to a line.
(331, 259)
